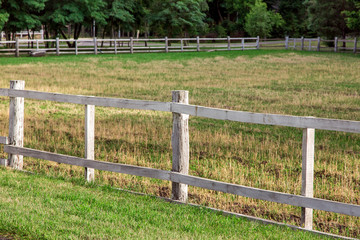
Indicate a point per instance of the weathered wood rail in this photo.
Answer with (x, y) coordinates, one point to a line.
(180, 144)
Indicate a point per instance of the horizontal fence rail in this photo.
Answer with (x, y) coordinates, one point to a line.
(294, 200)
(193, 110)
(180, 144)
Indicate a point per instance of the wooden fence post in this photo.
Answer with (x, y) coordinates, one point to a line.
(229, 43)
(16, 124)
(307, 188)
(166, 44)
(89, 140)
(287, 42)
(310, 47)
(198, 43)
(180, 146)
(131, 45)
(17, 50)
(115, 47)
(336, 44)
(95, 46)
(182, 45)
(294, 43)
(302, 43)
(243, 44)
(57, 47)
(318, 44)
(76, 47)
(355, 45)
(37, 44)
(258, 42)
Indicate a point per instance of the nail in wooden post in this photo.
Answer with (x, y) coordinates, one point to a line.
(229, 42)
(95, 46)
(57, 47)
(302, 43)
(336, 44)
(258, 42)
(355, 45)
(89, 140)
(286, 42)
(131, 45)
(318, 44)
(180, 146)
(198, 43)
(166, 44)
(307, 189)
(17, 50)
(16, 124)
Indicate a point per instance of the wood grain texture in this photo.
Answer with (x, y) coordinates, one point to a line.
(295, 200)
(89, 140)
(268, 119)
(307, 186)
(90, 100)
(16, 125)
(83, 162)
(180, 146)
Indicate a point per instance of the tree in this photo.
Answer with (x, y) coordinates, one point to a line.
(178, 17)
(326, 18)
(21, 14)
(4, 16)
(294, 15)
(353, 17)
(119, 14)
(260, 22)
(62, 13)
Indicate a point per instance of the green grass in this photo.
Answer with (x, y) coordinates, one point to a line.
(268, 157)
(38, 207)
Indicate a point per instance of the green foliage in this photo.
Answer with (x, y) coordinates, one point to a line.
(21, 14)
(260, 22)
(325, 17)
(178, 17)
(3, 17)
(353, 17)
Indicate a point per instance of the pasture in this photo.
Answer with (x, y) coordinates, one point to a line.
(284, 82)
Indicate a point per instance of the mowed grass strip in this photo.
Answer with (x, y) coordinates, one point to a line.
(38, 207)
(284, 82)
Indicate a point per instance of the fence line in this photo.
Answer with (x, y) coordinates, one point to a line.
(180, 145)
(133, 45)
(130, 45)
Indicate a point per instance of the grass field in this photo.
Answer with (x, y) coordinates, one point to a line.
(37, 207)
(295, 83)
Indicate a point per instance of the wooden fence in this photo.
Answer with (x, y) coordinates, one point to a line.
(131, 45)
(319, 44)
(181, 110)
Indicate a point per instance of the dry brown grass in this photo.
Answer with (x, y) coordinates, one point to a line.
(267, 157)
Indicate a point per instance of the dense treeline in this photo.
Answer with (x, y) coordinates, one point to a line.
(118, 18)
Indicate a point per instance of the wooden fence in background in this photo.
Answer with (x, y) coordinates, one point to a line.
(181, 110)
(130, 45)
